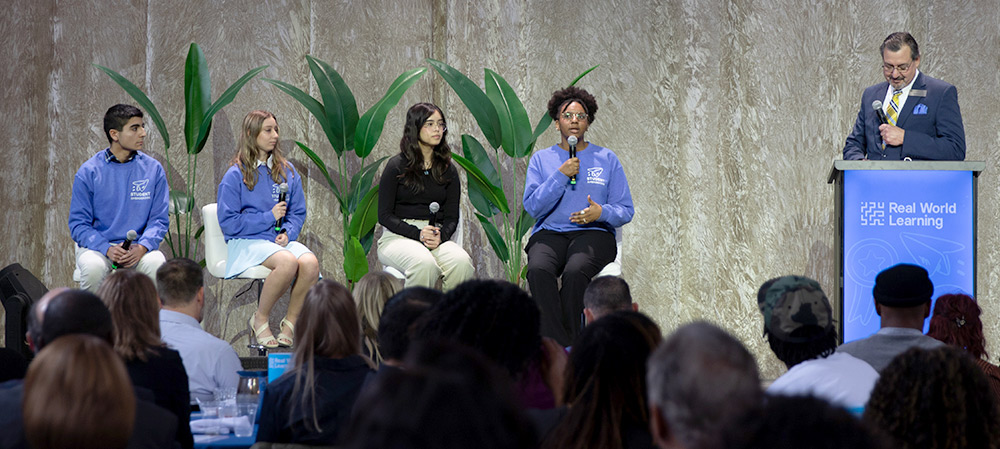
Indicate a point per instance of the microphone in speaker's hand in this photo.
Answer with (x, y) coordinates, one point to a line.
(877, 106)
(130, 236)
(282, 196)
(434, 207)
(572, 141)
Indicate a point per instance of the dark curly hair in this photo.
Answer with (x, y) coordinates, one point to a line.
(563, 97)
(935, 399)
(956, 322)
(495, 317)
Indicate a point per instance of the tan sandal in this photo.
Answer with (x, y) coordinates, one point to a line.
(262, 335)
(285, 340)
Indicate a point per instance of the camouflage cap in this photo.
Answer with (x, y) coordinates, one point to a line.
(794, 302)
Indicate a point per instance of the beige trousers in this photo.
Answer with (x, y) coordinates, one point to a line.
(423, 267)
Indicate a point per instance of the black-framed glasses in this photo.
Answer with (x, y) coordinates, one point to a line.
(439, 124)
(581, 116)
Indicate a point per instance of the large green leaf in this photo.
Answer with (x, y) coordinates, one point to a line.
(355, 259)
(475, 153)
(143, 101)
(475, 100)
(367, 240)
(516, 135)
(545, 121)
(364, 218)
(180, 202)
(361, 182)
(524, 223)
(326, 173)
(499, 246)
(341, 108)
(312, 105)
(370, 125)
(478, 180)
(227, 97)
(197, 95)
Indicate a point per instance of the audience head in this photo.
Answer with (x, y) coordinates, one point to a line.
(935, 398)
(903, 296)
(495, 317)
(606, 382)
(699, 379)
(328, 325)
(956, 322)
(135, 312)
(77, 394)
(449, 397)
(117, 116)
(181, 283)
(801, 422)
(798, 319)
(604, 295)
(65, 311)
(371, 293)
(401, 313)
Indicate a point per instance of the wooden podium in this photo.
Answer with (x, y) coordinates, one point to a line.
(890, 212)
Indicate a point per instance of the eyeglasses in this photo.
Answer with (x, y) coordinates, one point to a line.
(431, 125)
(888, 68)
(581, 116)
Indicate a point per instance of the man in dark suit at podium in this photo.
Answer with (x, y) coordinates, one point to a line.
(920, 120)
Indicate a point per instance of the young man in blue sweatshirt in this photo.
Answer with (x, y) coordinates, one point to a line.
(116, 191)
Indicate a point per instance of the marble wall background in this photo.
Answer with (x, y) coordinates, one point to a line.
(726, 114)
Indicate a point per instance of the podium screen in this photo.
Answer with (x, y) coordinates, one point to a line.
(904, 216)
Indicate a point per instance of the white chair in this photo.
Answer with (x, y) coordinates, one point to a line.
(215, 260)
(614, 268)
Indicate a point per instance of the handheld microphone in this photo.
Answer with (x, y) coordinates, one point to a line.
(282, 195)
(572, 140)
(877, 106)
(130, 236)
(434, 208)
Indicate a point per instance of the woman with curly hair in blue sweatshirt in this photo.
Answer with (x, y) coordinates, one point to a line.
(261, 226)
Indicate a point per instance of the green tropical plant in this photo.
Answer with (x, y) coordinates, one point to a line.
(504, 123)
(198, 113)
(337, 115)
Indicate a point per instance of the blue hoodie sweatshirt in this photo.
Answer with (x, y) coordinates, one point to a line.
(246, 214)
(551, 199)
(111, 198)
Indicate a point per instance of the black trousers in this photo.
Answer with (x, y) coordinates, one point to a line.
(576, 256)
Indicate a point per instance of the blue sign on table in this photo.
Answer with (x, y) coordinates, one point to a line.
(904, 216)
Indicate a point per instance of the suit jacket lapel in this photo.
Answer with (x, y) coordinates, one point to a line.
(911, 101)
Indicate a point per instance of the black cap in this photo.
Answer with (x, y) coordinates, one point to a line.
(903, 285)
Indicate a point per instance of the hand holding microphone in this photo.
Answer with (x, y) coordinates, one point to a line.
(572, 140)
(130, 236)
(430, 236)
(280, 208)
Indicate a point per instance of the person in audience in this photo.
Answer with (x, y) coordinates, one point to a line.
(310, 404)
(604, 295)
(903, 299)
(577, 201)
(500, 320)
(371, 293)
(210, 363)
(935, 399)
(398, 323)
(118, 190)
(416, 240)
(62, 312)
(956, 322)
(606, 385)
(77, 395)
(449, 397)
(131, 298)
(700, 379)
(262, 223)
(798, 324)
(801, 422)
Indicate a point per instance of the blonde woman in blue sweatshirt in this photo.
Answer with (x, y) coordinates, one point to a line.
(574, 233)
(261, 230)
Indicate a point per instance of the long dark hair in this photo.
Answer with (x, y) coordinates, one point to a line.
(409, 147)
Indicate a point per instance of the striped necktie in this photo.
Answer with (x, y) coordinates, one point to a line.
(893, 111)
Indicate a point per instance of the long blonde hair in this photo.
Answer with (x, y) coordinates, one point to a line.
(371, 293)
(77, 394)
(247, 151)
(328, 327)
(135, 313)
